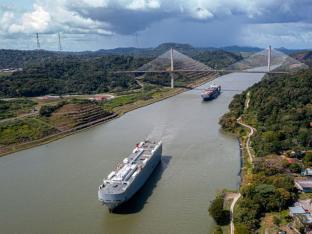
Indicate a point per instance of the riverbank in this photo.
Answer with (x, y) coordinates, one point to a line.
(245, 155)
(117, 112)
(272, 159)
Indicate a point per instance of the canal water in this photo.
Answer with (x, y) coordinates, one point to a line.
(53, 188)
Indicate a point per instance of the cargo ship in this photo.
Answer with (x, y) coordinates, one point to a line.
(130, 175)
(211, 93)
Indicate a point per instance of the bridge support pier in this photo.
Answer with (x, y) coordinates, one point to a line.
(269, 58)
(171, 68)
(172, 80)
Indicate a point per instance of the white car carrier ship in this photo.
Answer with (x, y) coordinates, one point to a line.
(130, 175)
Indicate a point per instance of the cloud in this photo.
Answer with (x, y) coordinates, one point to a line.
(292, 35)
(38, 20)
(107, 17)
(127, 17)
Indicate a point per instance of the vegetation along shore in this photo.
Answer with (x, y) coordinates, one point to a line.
(273, 120)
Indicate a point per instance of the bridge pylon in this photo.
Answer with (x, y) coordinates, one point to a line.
(171, 68)
(269, 58)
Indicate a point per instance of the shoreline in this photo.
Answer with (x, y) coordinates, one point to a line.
(120, 111)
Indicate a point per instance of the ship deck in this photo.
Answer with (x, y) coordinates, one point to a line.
(116, 185)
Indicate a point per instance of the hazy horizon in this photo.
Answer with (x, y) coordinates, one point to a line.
(154, 47)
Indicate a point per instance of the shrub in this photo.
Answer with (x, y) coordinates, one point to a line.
(241, 229)
(222, 217)
(218, 230)
(307, 159)
(47, 110)
(276, 220)
(295, 168)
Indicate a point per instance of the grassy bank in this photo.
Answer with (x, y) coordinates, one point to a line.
(13, 108)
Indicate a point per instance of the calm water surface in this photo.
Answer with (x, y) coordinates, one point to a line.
(53, 188)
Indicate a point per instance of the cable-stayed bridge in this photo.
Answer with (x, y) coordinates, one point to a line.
(173, 62)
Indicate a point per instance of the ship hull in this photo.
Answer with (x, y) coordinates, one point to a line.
(114, 200)
(211, 96)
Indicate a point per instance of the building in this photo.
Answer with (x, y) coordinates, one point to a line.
(305, 204)
(99, 98)
(304, 185)
(307, 172)
(304, 220)
(296, 210)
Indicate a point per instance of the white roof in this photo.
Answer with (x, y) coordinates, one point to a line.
(297, 210)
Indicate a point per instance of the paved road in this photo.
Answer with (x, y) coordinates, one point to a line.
(237, 196)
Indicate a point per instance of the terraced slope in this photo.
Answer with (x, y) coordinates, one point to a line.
(77, 115)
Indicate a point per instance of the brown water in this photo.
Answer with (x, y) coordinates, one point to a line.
(53, 188)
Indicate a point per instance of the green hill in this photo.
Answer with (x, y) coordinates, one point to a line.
(281, 111)
(304, 56)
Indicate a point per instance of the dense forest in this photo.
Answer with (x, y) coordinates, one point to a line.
(21, 58)
(280, 109)
(71, 75)
(283, 107)
(83, 73)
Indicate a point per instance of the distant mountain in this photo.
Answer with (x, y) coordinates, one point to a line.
(236, 49)
(123, 51)
(162, 48)
(183, 48)
(233, 49)
(22, 58)
(290, 51)
(304, 57)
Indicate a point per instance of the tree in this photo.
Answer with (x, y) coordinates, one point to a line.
(247, 216)
(218, 230)
(276, 220)
(241, 229)
(295, 168)
(222, 217)
(307, 159)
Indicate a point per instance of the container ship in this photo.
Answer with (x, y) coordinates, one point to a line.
(211, 93)
(130, 175)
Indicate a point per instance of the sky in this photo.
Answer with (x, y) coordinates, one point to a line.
(105, 24)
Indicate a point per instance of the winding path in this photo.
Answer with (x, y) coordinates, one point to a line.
(237, 196)
(251, 132)
(251, 129)
(250, 155)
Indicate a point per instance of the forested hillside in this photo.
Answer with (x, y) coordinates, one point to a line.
(21, 58)
(283, 108)
(71, 75)
(280, 109)
(83, 73)
(305, 57)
